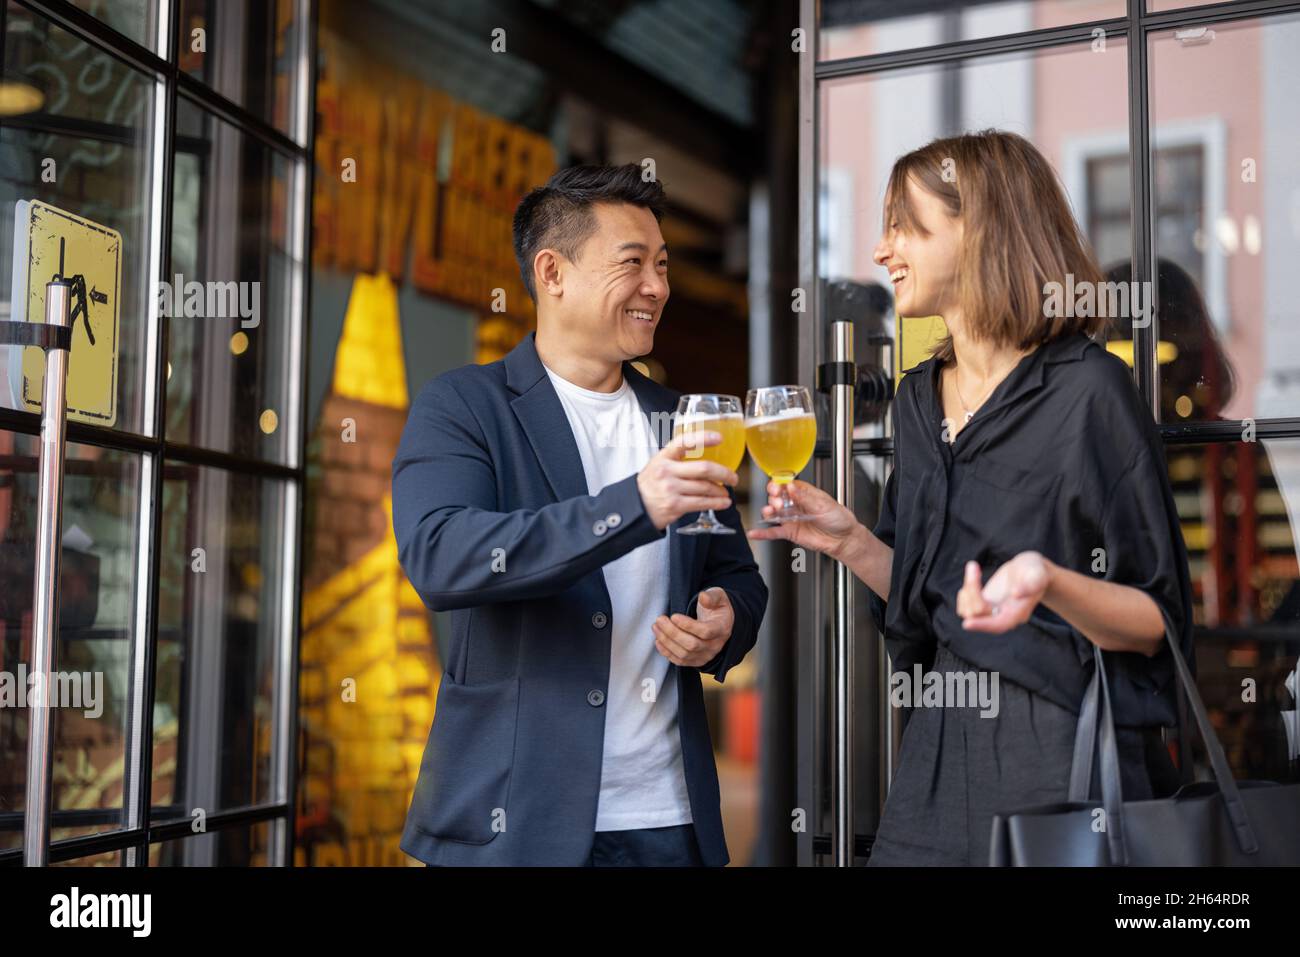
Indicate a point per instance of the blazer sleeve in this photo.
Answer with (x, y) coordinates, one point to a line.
(729, 565)
(459, 550)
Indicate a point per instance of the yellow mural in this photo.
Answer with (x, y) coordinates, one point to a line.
(369, 665)
(368, 363)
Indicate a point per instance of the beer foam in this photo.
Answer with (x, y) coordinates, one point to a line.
(784, 415)
(696, 417)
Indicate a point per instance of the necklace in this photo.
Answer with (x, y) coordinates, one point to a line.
(966, 408)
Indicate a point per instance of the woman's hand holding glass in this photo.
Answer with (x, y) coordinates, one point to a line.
(826, 525)
(781, 432)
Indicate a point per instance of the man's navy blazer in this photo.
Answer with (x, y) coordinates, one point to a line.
(494, 523)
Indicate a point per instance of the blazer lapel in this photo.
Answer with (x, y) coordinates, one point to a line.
(542, 418)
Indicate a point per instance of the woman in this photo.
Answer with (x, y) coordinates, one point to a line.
(1027, 517)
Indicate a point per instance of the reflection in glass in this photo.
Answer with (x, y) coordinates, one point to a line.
(1070, 102)
(246, 846)
(1240, 504)
(1156, 6)
(131, 18)
(84, 149)
(220, 621)
(104, 859)
(229, 343)
(879, 726)
(852, 28)
(1225, 115)
(246, 50)
(97, 606)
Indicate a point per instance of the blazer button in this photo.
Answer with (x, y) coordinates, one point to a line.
(595, 697)
(599, 528)
(613, 519)
(599, 619)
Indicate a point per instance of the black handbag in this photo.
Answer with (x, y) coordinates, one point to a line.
(1219, 822)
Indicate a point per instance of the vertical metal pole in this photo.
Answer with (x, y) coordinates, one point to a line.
(1146, 372)
(45, 602)
(810, 644)
(842, 450)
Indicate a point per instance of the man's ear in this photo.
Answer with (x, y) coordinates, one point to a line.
(548, 272)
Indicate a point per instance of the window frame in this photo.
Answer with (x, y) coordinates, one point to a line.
(162, 65)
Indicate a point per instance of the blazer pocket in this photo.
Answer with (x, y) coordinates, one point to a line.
(464, 782)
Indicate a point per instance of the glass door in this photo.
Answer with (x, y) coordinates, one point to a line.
(182, 128)
(1180, 178)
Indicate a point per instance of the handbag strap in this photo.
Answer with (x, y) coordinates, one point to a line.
(1214, 748)
(1185, 769)
(1096, 711)
(1084, 737)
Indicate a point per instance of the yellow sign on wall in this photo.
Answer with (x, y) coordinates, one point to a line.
(916, 337)
(49, 243)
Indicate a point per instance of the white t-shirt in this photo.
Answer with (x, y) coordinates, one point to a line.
(642, 780)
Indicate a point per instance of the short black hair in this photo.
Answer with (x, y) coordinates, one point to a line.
(559, 214)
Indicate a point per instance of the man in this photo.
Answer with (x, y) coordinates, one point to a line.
(532, 498)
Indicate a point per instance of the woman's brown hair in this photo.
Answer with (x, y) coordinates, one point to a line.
(1018, 235)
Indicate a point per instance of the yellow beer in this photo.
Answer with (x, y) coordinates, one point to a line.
(782, 444)
(726, 453)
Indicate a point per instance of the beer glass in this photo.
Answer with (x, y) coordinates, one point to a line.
(711, 413)
(781, 431)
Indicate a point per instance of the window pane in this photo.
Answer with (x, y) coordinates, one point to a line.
(1240, 508)
(220, 624)
(102, 859)
(246, 846)
(246, 50)
(133, 18)
(83, 147)
(850, 28)
(228, 332)
(870, 121)
(97, 602)
(1225, 112)
(1155, 6)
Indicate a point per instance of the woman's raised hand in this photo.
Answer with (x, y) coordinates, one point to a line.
(1008, 598)
(827, 525)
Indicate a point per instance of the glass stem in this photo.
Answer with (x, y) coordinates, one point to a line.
(787, 503)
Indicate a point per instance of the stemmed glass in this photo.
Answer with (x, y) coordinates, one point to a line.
(781, 432)
(711, 413)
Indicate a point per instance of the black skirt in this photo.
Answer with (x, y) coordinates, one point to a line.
(957, 769)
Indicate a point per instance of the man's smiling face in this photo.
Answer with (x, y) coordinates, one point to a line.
(614, 293)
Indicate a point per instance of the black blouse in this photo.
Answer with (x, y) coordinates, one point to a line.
(1062, 458)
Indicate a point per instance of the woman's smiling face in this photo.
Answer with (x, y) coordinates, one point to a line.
(922, 258)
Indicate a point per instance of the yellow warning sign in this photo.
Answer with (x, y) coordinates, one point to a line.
(63, 245)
